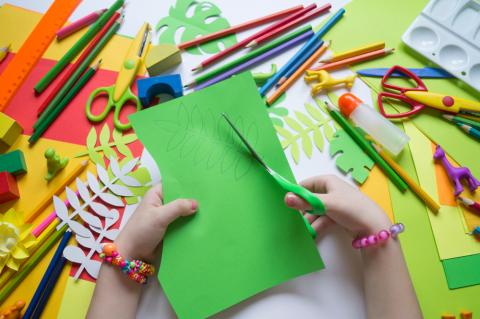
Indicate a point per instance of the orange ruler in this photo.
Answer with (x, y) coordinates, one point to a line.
(33, 48)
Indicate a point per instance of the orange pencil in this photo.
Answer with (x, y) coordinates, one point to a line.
(298, 73)
(353, 60)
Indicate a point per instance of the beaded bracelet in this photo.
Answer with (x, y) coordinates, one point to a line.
(135, 269)
(379, 238)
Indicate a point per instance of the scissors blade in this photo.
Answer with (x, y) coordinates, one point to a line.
(426, 73)
(245, 142)
(143, 45)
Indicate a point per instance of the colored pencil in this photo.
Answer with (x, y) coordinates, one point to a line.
(417, 189)
(300, 55)
(48, 199)
(470, 203)
(239, 27)
(36, 257)
(220, 55)
(353, 60)
(82, 68)
(461, 120)
(470, 117)
(77, 47)
(297, 74)
(75, 66)
(299, 63)
(250, 55)
(302, 19)
(4, 52)
(366, 147)
(52, 115)
(37, 296)
(79, 24)
(470, 130)
(354, 52)
(262, 57)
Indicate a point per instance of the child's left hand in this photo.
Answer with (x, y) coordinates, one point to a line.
(142, 235)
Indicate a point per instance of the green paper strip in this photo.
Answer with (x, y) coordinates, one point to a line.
(462, 271)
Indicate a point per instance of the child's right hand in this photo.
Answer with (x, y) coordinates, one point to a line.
(345, 205)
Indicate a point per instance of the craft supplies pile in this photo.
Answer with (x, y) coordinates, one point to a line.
(95, 102)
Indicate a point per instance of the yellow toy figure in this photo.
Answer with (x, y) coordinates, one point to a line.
(326, 81)
(14, 311)
(54, 163)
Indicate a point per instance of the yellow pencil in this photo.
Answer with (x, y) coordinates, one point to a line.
(4, 52)
(47, 199)
(408, 180)
(354, 52)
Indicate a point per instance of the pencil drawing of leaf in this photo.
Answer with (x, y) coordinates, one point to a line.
(349, 157)
(305, 130)
(189, 19)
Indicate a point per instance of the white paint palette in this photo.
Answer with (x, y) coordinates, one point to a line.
(447, 32)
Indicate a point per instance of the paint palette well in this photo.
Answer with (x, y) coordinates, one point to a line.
(447, 32)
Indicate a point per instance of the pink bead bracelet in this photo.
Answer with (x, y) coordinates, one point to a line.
(380, 237)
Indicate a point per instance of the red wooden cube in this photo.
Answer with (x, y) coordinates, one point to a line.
(8, 187)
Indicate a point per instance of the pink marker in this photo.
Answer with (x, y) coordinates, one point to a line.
(470, 204)
(79, 24)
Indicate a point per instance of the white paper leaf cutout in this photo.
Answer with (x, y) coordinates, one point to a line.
(115, 167)
(93, 183)
(74, 254)
(127, 168)
(92, 267)
(121, 190)
(101, 210)
(130, 181)
(83, 191)
(90, 219)
(111, 199)
(78, 228)
(87, 242)
(103, 175)
(72, 198)
(60, 208)
(112, 234)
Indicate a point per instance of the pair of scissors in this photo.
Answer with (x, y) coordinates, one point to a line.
(120, 93)
(318, 208)
(419, 97)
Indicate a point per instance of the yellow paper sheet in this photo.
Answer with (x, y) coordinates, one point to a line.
(376, 187)
(448, 225)
(25, 21)
(76, 300)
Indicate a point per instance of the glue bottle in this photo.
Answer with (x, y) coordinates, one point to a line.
(373, 123)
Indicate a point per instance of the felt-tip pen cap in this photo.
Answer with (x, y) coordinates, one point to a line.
(347, 103)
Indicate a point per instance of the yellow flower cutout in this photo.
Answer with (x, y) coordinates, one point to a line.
(15, 239)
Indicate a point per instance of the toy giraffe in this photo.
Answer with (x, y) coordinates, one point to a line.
(326, 81)
(456, 174)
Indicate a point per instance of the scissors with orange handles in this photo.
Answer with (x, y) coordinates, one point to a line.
(419, 97)
(120, 93)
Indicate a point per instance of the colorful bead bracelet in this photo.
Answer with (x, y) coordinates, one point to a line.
(135, 269)
(380, 237)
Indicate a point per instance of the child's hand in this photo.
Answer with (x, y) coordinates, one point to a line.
(141, 236)
(345, 205)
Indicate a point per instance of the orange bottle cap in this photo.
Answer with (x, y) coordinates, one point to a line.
(348, 103)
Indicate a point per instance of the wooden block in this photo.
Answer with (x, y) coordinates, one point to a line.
(449, 316)
(10, 130)
(13, 162)
(148, 88)
(162, 57)
(8, 187)
(466, 315)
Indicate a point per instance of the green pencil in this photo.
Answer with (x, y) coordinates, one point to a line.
(77, 47)
(367, 147)
(461, 120)
(45, 124)
(71, 81)
(248, 56)
(30, 264)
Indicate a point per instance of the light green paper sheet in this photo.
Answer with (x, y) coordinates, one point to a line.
(243, 239)
(462, 271)
(380, 20)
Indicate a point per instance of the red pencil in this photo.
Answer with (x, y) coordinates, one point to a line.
(470, 204)
(239, 27)
(355, 59)
(73, 67)
(268, 36)
(241, 44)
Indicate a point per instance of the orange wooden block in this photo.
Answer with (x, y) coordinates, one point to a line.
(8, 187)
(466, 315)
(449, 316)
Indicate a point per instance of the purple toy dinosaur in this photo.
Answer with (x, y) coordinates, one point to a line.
(456, 174)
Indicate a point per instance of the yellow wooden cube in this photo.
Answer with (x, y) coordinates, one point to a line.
(10, 130)
(162, 57)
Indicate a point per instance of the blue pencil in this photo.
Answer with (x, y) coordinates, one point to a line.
(46, 276)
(470, 130)
(301, 54)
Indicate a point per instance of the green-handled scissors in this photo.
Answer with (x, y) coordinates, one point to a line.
(120, 93)
(318, 208)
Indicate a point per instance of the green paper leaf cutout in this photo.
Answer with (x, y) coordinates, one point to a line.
(349, 157)
(140, 174)
(100, 147)
(190, 19)
(306, 129)
(277, 112)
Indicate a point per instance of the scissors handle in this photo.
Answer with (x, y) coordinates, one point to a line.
(127, 96)
(416, 107)
(318, 208)
(108, 91)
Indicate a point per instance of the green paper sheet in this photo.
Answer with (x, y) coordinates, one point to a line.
(243, 239)
(462, 271)
(379, 20)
